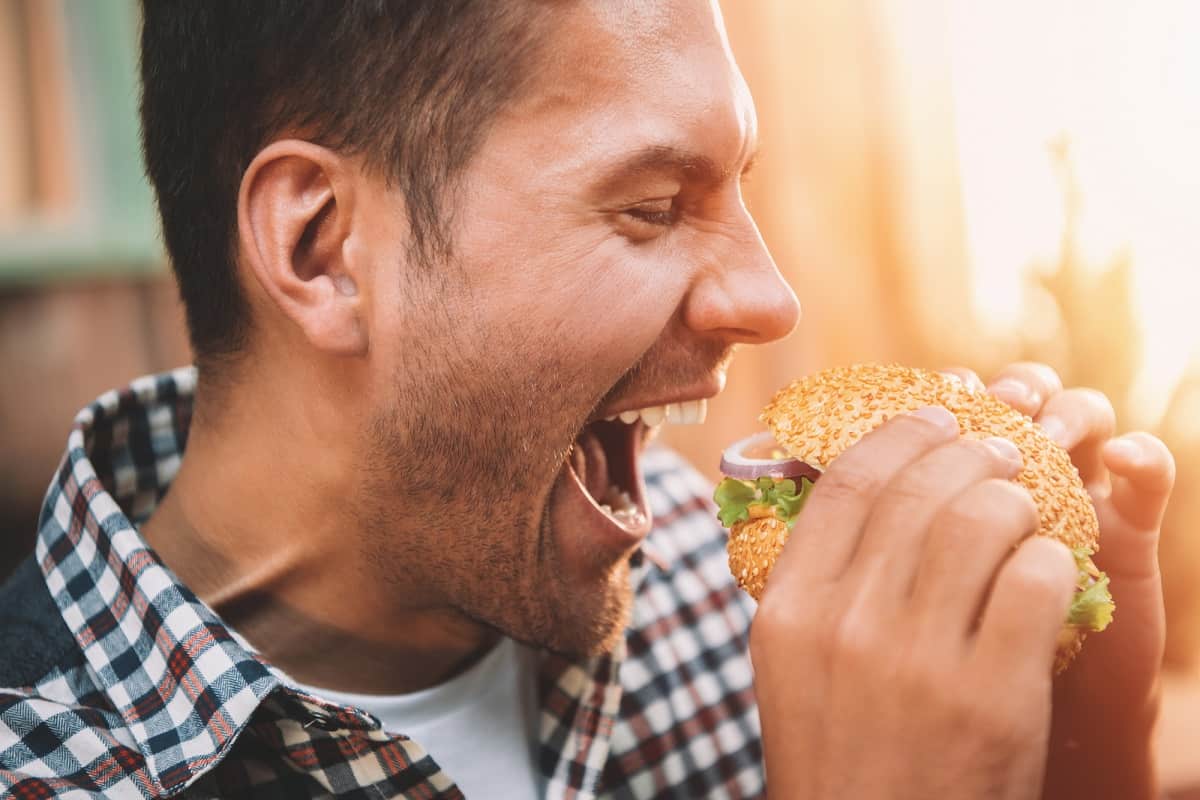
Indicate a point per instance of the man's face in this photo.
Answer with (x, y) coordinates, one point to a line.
(603, 261)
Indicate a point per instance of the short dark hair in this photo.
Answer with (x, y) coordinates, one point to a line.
(408, 84)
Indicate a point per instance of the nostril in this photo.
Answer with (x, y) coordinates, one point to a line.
(745, 334)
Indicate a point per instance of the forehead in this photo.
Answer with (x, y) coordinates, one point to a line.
(616, 74)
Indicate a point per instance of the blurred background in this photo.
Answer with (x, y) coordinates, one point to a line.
(942, 181)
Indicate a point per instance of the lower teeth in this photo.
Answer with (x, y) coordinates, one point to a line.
(620, 506)
(626, 516)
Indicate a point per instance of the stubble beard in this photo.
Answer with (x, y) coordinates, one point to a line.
(583, 619)
(466, 525)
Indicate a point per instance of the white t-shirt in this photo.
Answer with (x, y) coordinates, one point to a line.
(480, 727)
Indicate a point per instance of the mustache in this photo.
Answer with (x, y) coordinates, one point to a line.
(659, 370)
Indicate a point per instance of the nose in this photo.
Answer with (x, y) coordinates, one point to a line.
(740, 295)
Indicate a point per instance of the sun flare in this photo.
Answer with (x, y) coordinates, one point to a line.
(1121, 84)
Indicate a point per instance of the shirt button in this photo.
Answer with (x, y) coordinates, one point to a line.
(322, 721)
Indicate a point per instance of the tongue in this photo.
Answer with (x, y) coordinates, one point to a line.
(595, 478)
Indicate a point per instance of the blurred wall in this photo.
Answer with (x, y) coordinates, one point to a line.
(60, 348)
(85, 299)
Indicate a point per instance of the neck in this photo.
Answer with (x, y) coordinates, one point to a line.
(263, 532)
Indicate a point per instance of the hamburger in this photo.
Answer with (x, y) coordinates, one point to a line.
(813, 420)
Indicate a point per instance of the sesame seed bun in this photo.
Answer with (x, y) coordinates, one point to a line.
(818, 417)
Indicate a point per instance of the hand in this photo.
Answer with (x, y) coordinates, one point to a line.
(1105, 705)
(872, 676)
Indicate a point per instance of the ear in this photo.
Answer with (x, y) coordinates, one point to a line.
(294, 221)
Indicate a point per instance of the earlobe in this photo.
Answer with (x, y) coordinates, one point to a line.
(294, 219)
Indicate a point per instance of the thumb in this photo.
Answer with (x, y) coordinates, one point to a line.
(1142, 473)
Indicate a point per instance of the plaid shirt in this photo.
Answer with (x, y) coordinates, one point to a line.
(119, 682)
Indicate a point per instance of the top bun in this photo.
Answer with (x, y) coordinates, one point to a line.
(818, 417)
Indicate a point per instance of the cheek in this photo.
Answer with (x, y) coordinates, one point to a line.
(641, 292)
(604, 303)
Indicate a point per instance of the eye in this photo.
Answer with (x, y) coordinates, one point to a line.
(662, 213)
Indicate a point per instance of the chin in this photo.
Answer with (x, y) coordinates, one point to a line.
(582, 621)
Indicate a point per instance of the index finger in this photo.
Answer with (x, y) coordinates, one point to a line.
(828, 531)
(1026, 386)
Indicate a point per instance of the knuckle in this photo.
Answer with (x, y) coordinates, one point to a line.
(1046, 571)
(963, 375)
(910, 489)
(1095, 397)
(854, 639)
(979, 459)
(1039, 377)
(993, 506)
(1149, 441)
(916, 427)
(847, 481)
(1101, 407)
(777, 621)
(1042, 374)
(997, 725)
(961, 519)
(971, 458)
(1014, 502)
(772, 619)
(1156, 458)
(985, 458)
(765, 628)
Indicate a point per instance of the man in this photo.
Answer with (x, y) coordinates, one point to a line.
(426, 250)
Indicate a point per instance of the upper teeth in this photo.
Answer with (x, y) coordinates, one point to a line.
(692, 412)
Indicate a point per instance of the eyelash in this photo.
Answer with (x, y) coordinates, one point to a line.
(662, 218)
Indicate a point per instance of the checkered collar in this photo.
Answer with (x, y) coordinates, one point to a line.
(184, 684)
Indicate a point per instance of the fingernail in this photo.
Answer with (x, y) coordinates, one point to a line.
(938, 416)
(1012, 392)
(1055, 428)
(1004, 448)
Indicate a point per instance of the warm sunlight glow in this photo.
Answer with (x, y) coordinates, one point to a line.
(1121, 82)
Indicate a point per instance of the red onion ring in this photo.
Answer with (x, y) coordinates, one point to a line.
(736, 464)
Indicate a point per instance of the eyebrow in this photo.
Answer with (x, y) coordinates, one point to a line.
(668, 159)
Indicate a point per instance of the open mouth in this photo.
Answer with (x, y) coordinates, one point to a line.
(605, 465)
(602, 490)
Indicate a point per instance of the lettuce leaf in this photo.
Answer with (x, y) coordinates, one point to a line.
(735, 498)
(1093, 606)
